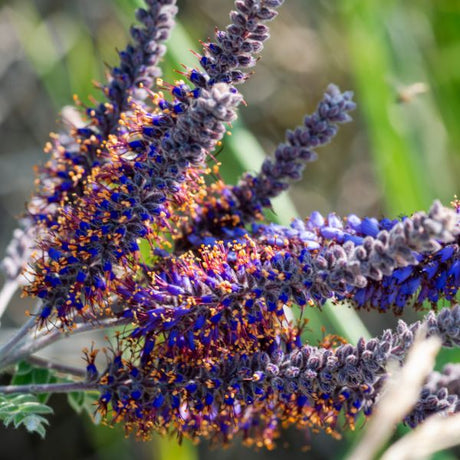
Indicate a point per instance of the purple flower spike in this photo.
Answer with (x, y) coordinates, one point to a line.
(308, 383)
(235, 47)
(244, 202)
(138, 63)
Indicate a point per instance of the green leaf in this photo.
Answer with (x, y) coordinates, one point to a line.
(38, 428)
(7, 420)
(83, 402)
(23, 375)
(24, 410)
(26, 373)
(23, 368)
(33, 408)
(40, 375)
(7, 409)
(76, 400)
(89, 403)
(18, 419)
(35, 424)
(43, 397)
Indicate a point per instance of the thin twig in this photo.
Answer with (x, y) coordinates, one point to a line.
(55, 335)
(36, 388)
(19, 336)
(62, 368)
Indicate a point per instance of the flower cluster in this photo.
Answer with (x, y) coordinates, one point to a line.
(254, 393)
(130, 224)
(76, 152)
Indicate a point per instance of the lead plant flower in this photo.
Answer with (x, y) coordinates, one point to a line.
(210, 351)
(78, 149)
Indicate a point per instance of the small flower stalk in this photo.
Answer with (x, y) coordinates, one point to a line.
(129, 226)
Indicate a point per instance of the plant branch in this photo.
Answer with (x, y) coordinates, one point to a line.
(57, 334)
(58, 367)
(19, 336)
(35, 388)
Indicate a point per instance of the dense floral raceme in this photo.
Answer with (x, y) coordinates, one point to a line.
(123, 199)
(77, 149)
(162, 145)
(259, 391)
(75, 152)
(231, 294)
(132, 222)
(243, 203)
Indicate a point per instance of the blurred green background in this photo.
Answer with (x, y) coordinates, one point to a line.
(402, 60)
